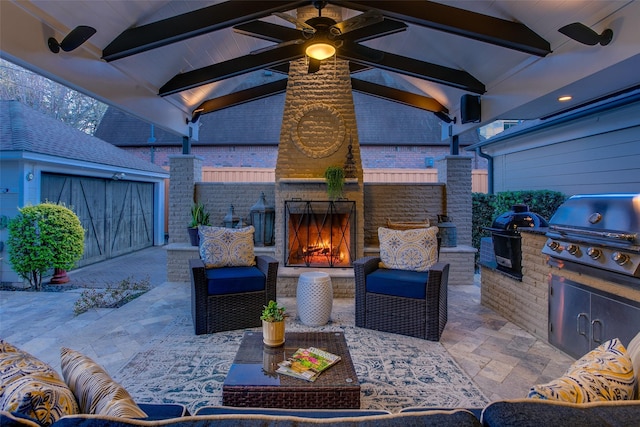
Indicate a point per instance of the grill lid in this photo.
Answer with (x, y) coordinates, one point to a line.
(599, 231)
(609, 218)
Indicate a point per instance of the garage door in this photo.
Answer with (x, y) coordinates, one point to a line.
(117, 215)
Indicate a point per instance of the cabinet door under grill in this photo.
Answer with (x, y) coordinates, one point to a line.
(569, 318)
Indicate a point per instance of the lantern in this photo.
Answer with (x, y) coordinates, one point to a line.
(230, 220)
(263, 220)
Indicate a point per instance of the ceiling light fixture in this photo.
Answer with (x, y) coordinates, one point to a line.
(565, 98)
(320, 51)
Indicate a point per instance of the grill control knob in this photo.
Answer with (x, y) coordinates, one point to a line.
(594, 253)
(553, 245)
(573, 249)
(620, 258)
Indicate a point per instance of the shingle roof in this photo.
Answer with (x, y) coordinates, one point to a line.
(25, 129)
(258, 123)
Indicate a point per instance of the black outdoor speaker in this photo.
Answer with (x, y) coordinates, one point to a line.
(470, 108)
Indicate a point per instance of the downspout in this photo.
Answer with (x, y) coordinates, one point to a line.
(489, 168)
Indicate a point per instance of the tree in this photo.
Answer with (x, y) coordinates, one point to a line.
(44, 236)
(55, 100)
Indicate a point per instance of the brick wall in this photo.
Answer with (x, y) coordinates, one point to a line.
(526, 302)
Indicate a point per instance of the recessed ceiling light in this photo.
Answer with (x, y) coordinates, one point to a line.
(565, 98)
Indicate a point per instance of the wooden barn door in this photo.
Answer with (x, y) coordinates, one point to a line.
(131, 216)
(117, 215)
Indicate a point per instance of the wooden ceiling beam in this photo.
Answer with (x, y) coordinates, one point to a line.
(181, 27)
(231, 68)
(397, 95)
(240, 97)
(461, 22)
(413, 67)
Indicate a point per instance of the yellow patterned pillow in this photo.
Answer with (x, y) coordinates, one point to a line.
(603, 374)
(226, 247)
(94, 389)
(415, 249)
(32, 387)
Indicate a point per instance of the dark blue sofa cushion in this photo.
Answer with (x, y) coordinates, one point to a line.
(232, 280)
(536, 413)
(400, 283)
(163, 411)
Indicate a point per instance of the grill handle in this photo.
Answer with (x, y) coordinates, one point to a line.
(602, 234)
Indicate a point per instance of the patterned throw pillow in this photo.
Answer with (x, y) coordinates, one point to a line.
(414, 250)
(31, 387)
(603, 374)
(226, 247)
(94, 389)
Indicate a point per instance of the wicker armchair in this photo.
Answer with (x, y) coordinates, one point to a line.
(422, 317)
(223, 311)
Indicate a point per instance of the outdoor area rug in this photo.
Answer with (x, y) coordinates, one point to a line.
(394, 371)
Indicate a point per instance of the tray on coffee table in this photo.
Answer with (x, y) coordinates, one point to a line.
(253, 382)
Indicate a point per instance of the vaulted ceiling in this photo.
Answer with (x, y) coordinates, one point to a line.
(167, 62)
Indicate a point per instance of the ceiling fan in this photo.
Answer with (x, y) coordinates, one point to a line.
(320, 37)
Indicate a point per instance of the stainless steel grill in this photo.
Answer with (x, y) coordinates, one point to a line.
(597, 234)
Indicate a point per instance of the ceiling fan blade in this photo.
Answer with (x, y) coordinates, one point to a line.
(359, 21)
(354, 49)
(373, 31)
(306, 28)
(585, 35)
(314, 65)
(76, 37)
(279, 45)
(267, 31)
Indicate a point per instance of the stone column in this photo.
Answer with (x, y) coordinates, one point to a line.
(455, 172)
(185, 171)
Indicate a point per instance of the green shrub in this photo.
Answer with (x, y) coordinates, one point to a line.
(487, 207)
(44, 236)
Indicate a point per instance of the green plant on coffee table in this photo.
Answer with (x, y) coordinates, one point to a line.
(113, 296)
(273, 312)
(44, 236)
(334, 175)
(199, 216)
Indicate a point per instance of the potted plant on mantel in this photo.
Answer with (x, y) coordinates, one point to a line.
(335, 178)
(199, 216)
(273, 324)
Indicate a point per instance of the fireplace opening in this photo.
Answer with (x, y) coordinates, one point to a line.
(319, 234)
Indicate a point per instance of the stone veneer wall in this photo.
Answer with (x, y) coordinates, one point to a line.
(526, 302)
(399, 202)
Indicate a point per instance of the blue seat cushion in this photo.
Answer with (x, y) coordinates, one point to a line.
(233, 280)
(399, 283)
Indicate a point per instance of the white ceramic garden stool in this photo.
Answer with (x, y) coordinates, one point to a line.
(314, 297)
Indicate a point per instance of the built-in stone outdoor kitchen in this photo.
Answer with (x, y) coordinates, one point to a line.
(319, 129)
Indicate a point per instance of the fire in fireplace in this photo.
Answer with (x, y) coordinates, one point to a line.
(319, 233)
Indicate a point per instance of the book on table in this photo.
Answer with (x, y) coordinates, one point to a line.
(307, 363)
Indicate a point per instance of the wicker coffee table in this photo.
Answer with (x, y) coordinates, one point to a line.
(252, 381)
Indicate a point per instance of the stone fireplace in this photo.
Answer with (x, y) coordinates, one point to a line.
(318, 130)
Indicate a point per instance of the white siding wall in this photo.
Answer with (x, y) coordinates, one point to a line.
(593, 155)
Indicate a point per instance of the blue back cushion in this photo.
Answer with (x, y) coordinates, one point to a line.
(233, 280)
(399, 283)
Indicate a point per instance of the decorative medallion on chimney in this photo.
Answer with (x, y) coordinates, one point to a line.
(318, 131)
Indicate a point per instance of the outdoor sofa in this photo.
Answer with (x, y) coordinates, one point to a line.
(31, 390)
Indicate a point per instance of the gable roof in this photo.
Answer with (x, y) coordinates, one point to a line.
(25, 129)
